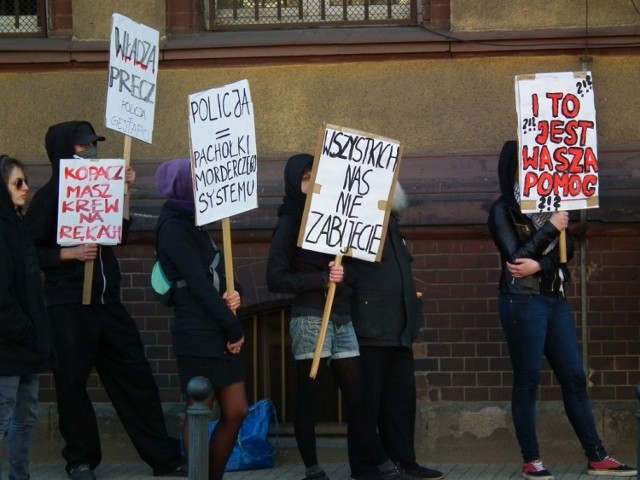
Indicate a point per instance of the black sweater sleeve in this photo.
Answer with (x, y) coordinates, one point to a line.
(282, 274)
(178, 242)
(41, 222)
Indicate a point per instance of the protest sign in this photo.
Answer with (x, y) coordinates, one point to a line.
(353, 178)
(90, 201)
(347, 208)
(133, 73)
(223, 152)
(558, 141)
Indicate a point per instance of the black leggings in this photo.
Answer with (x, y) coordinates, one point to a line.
(348, 374)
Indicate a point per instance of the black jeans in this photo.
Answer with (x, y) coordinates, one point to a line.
(107, 338)
(391, 391)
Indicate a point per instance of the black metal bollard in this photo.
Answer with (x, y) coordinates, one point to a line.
(199, 415)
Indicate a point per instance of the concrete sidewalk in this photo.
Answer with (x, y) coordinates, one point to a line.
(332, 453)
(287, 471)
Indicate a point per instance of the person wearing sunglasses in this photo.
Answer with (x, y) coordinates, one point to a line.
(26, 347)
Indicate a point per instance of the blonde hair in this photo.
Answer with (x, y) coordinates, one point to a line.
(400, 201)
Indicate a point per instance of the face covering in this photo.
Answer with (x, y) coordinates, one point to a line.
(89, 153)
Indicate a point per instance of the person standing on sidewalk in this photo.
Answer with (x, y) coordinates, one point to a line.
(101, 335)
(26, 346)
(306, 274)
(386, 311)
(206, 334)
(537, 321)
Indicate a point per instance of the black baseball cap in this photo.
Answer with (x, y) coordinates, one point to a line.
(84, 135)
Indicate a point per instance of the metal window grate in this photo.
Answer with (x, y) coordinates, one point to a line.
(22, 17)
(288, 13)
(271, 372)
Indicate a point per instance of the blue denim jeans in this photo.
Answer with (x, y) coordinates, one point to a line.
(538, 326)
(340, 341)
(18, 415)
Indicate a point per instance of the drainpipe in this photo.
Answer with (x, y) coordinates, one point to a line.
(585, 64)
(583, 293)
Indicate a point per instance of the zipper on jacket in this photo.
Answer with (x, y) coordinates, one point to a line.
(104, 278)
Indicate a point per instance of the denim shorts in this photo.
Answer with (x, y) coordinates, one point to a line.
(340, 341)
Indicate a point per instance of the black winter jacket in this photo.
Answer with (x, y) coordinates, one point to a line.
(385, 307)
(25, 333)
(516, 237)
(203, 323)
(64, 280)
(304, 273)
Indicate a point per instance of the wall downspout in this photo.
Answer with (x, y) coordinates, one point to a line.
(583, 294)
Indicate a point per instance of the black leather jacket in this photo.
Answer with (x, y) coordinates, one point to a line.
(516, 237)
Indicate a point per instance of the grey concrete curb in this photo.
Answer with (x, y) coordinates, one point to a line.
(140, 471)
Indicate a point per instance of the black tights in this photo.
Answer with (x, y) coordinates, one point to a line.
(233, 409)
(348, 374)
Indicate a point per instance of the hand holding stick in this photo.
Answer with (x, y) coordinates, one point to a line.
(560, 220)
(325, 319)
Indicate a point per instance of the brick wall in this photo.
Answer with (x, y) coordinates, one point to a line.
(464, 356)
(460, 355)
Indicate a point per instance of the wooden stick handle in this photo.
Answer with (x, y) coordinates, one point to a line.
(127, 150)
(228, 256)
(88, 281)
(563, 246)
(325, 323)
(127, 161)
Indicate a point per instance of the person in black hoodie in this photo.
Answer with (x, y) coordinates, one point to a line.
(387, 314)
(537, 321)
(101, 335)
(207, 336)
(306, 273)
(26, 347)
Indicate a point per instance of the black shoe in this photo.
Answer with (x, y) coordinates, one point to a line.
(418, 471)
(81, 472)
(367, 476)
(181, 471)
(317, 476)
(394, 473)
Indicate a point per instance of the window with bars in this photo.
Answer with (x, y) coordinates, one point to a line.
(22, 18)
(296, 13)
(271, 373)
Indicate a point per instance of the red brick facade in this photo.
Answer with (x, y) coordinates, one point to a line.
(460, 355)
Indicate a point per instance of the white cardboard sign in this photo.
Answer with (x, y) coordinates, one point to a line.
(90, 201)
(133, 74)
(558, 141)
(223, 152)
(353, 176)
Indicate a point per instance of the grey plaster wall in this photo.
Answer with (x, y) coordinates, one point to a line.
(443, 105)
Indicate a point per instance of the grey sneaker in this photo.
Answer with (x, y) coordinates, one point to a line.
(81, 472)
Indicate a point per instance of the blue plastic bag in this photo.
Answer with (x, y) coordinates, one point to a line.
(253, 450)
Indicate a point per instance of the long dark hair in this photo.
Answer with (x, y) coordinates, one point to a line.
(7, 164)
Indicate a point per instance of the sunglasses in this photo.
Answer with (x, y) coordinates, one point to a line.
(21, 182)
